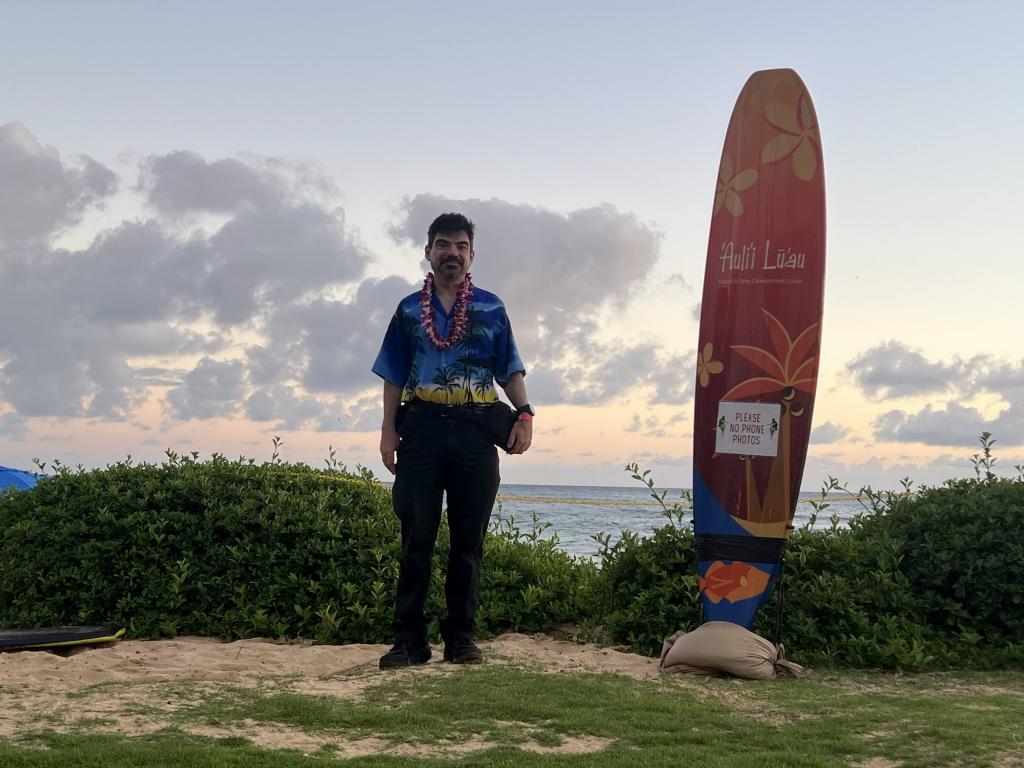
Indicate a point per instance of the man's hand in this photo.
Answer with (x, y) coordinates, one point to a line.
(521, 437)
(388, 447)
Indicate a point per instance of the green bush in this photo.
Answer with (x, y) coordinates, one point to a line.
(234, 549)
(930, 580)
(961, 547)
(846, 601)
(527, 583)
(646, 587)
(924, 581)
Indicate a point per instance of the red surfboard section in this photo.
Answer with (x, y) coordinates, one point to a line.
(758, 349)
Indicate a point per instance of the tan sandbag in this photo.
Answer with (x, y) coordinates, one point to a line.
(721, 647)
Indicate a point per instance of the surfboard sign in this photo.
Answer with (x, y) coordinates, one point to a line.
(758, 348)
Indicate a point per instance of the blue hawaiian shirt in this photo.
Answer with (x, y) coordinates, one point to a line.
(467, 372)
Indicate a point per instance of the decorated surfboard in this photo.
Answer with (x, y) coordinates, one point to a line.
(757, 353)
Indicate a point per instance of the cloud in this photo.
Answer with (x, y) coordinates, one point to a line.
(889, 474)
(650, 426)
(828, 433)
(256, 249)
(39, 194)
(82, 316)
(615, 372)
(210, 390)
(341, 340)
(1006, 378)
(13, 425)
(137, 289)
(952, 425)
(362, 415)
(673, 380)
(292, 410)
(546, 385)
(893, 369)
(677, 279)
(183, 182)
(277, 246)
(270, 257)
(62, 362)
(317, 354)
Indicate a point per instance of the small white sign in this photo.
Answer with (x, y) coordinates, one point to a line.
(750, 429)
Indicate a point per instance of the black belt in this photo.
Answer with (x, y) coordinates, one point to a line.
(495, 419)
(442, 409)
(747, 549)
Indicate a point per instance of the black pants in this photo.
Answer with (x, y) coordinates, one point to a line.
(438, 454)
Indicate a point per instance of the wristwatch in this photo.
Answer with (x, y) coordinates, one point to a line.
(526, 412)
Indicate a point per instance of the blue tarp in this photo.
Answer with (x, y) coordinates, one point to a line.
(16, 478)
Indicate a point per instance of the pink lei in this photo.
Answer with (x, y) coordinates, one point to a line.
(458, 329)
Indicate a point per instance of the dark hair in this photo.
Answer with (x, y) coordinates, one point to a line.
(448, 223)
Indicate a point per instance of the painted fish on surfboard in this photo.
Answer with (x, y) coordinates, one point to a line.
(758, 349)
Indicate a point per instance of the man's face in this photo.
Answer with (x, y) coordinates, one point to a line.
(450, 256)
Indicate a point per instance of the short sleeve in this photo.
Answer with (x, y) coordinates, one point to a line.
(393, 363)
(506, 354)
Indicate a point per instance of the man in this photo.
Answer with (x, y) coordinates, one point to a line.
(443, 352)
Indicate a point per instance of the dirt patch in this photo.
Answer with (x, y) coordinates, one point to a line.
(340, 670)
(571, 745)
(1008, 760)
(545, 654)
(282, 737)
(934, 684)
(135, 688)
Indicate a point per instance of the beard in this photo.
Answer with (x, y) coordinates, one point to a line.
(452, 269)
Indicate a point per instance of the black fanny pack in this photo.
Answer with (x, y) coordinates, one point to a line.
(494, 419)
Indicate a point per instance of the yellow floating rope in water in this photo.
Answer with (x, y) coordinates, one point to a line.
(640, 502)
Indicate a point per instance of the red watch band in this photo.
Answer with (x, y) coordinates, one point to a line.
(525, 417)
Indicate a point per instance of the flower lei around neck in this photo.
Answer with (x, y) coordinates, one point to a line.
(461, 321)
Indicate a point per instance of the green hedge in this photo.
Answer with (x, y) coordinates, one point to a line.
(235, 549)
(927, 581)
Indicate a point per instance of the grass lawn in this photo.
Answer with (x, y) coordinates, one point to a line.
(499, 715)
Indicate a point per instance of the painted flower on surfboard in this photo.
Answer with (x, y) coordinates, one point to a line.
(729, 186)
(707, 366)
(732, 582)
(798, 136)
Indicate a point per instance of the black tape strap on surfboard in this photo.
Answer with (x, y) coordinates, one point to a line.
(747, 549)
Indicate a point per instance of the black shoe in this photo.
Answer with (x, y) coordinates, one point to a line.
(462, 651)
(405, 654)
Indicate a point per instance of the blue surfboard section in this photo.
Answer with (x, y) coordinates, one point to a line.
(709, 518)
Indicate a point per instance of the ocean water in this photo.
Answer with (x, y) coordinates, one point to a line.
(575, 513)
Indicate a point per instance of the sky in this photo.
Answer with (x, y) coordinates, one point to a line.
(209, 211)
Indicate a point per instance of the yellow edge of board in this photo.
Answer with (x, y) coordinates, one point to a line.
(106, 639)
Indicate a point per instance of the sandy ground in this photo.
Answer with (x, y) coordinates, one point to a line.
(126, 687)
